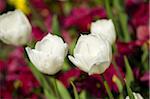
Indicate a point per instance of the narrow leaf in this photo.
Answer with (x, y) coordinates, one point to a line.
(75, 91)
(48, 95)
(83, 95)
(40, 77)
(129, 73)
(108, 90)
(55, 26)
(124, 25)
(117, 81)
(129, 91)
(62, 90)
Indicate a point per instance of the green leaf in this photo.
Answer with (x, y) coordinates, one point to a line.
(75, 91)
(129, 73)
(67, 8)
(55, 25)
(124, 25)
(145, 56)
(72, 46)
(108, 8)
(82, 95)
(118, 5)
(118, 83)
(108, 90)
(66, 65)
(62, 90)
(48, 95)
(129, 91)
(40, 77)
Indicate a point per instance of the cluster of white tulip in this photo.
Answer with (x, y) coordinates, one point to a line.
(92, 52)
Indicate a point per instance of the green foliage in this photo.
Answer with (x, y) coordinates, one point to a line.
(62, 90)
(129, 73)
(75, 91)
(55, 26)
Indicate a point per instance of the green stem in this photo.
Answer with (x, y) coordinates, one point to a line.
(129, 91)
(110, 15)
(108, 8)
(107, 88)
(124, 25)
(75, 91)
(56, 89)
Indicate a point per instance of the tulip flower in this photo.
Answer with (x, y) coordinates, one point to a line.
(48, 55)
(14, 28)
(92, 54)
(136, 96)
(104, 28)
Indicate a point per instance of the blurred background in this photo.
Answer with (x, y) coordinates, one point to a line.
(69, 19)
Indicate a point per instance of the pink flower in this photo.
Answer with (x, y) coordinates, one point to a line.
(66, 36)
(82, 17)
(39, 4)
(137, 14)
(15, 75)
(142, 77)
(145, 78)
(2, 5)
(127, 48)
(37, 33)
(132, 2)
(67, 76)
(143, 33)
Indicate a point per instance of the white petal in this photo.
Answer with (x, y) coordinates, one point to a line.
(44, 62)
(105, 28)
(78, 63)
(66, 49)
(136, 96)
(16, 26)
(99, 68)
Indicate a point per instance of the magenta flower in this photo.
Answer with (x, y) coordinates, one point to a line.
(78, 16)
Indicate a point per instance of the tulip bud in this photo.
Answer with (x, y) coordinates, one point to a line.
(48, 55)
(136, 96)
(104, 28)
(92, 54)
(14, 28)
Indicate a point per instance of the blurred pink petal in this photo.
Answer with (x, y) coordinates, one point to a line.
(67, 76)
(143, 33)
(2, 5)
(146, 77)
(37, 33)
(78, 16)
(66, 36)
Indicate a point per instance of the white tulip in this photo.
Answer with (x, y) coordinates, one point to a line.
(48, 55)
(104, 28)
(14, 28)
(92, 54)
(136, 96)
